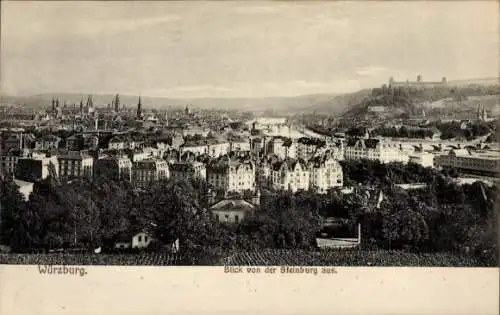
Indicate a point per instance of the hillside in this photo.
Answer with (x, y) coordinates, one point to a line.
(392, 102)
(461, 93)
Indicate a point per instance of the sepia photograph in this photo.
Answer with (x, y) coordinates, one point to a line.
(301, 136)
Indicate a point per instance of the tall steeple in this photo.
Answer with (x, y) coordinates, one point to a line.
(81, 105)
(53, 104)
(139, 108)
(116, 103)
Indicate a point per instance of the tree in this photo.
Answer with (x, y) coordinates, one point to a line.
(12, 206)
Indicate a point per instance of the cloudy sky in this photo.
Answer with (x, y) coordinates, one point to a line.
(235, 49)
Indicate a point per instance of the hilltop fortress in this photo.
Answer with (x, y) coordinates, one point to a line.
(420, 83)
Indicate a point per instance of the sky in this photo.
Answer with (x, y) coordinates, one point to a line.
(241, 49)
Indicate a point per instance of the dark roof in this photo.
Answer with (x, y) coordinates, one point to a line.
(116, 139)
(148, 164)
(182, 166)
(232, 204)
(290, 164)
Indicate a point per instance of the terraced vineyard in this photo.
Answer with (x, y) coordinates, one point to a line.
(143, 259)
(270, 257)
(348, 258)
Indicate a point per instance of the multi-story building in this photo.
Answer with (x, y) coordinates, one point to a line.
(174, 140)
(256, 144)
(82, 142)
(218, 148)
(277, 147)
(187, 170)
(195, 147)
(374, 149)
(90, 142)
(308, 147)
(420, 83)
(116, 143)
(213, 148)
(240, 145)
(116, 167)
(425, 159)
(334, 148)
(290, 174)
(231, 175)
(13, 142)
(48, 142)
(480, 162)
(35, 167)
(75, 165)
(9, 159)
(326, 173)
(74, 143)
(150, 170)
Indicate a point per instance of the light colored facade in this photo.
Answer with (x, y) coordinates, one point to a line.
(243, 145)
(423, 158)
(276, 146)
(219, 149)
(268, 122)
(292, 175)
(75, 165)
(484, 162)
(188, 170)
(231, 211)
(231, 175)
(196, 149)
(306, 149)
(326, 173)
(25, 188)
(150, 170)
(136, 241)
(374, 149)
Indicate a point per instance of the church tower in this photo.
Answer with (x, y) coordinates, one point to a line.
(139, 109)
(81, 106)
(116, 103)
(90, 104)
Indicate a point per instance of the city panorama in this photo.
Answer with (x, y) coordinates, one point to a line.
(225, 142)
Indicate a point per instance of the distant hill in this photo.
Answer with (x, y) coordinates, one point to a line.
(347, 104)
(481, 81)
(390, 103)
(278, 105)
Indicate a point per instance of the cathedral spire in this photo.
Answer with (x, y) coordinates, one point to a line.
(139, 108)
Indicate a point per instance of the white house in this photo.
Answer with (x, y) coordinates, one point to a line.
(135, 240)
(375, 149)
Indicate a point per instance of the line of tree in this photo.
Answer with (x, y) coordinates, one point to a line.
(443, 217)
(403, 132)
(455, 129)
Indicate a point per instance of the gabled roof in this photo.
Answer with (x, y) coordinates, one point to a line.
(232, 204)
(289, 164)
(116, 139)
